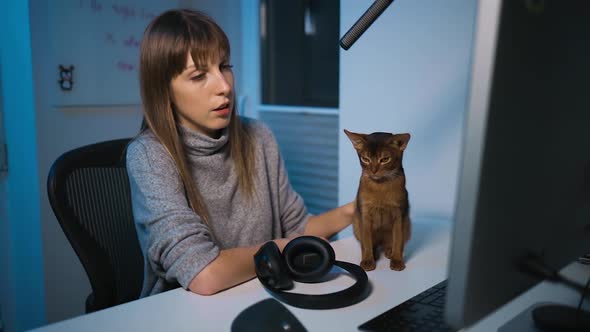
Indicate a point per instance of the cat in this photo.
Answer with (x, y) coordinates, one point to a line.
(382, 207)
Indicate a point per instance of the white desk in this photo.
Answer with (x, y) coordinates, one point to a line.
(426, 265)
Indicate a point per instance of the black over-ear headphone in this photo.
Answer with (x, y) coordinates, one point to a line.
(306, 259)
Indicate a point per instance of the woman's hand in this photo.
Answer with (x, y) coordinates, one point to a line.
(281, 243)
(329, 223)
(350, 210)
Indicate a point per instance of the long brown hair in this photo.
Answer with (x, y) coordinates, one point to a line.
(164, 47)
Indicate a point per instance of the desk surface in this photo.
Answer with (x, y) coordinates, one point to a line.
(426, 265)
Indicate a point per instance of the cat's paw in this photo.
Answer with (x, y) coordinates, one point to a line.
(397, 265)
(388, 253)
(368, 265)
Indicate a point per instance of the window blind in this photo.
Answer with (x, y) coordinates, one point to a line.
(309, 145)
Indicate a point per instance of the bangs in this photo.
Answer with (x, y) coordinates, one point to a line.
(208, 43)
(198, 34)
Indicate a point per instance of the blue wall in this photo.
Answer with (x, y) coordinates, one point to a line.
(21, 273)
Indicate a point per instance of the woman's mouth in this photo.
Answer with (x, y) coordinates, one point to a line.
(222, 110)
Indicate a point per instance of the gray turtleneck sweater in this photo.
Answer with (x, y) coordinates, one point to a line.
(175, 242)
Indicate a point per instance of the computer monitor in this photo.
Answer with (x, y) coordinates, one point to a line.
(524, 184)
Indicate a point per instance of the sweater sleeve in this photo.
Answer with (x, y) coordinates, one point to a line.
(292, 210)
(176, 242)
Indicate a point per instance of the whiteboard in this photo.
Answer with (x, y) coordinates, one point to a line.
(100, 39)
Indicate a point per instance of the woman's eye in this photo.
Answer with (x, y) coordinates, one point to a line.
(385, 160)
(198, 77)
(226, 66)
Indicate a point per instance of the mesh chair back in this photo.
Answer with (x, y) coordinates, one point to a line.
(89, 193)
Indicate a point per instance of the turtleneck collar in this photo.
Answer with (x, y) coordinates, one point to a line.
(198, 144)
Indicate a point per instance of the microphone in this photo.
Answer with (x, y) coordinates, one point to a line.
(363, 23)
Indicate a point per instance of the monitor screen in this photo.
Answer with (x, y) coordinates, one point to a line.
(524, 185)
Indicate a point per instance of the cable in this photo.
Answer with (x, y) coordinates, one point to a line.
(556, 316)
(535, 265)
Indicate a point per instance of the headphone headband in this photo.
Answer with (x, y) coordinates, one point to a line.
(276, 272)
(346, 297)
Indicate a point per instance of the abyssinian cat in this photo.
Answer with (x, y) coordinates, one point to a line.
(382, 208)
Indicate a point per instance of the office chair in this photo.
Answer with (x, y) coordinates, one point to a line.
(89, 193)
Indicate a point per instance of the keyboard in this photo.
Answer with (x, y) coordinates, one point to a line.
(423, 312)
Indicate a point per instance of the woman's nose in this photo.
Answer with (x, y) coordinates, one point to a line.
(223, 83)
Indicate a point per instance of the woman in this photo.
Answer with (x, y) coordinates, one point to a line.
(208, 187)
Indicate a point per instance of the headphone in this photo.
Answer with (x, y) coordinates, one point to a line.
(306, 259)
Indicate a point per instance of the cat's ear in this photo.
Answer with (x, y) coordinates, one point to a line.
(400, 141)
(358, 140)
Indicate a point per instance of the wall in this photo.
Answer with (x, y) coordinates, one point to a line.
(4, 231)
(59, 282)
(409, 73)
(21, 287)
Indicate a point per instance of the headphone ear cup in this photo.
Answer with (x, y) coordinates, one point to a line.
(270, 268)
(308, 258)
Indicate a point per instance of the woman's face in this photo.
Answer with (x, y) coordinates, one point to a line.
(203, 96)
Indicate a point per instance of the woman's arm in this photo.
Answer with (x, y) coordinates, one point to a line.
(329, 223)
(231, 267)
(234, 266)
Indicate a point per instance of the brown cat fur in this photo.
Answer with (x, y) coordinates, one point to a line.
(382, 207)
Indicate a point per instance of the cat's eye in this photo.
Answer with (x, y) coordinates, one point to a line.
(385, 160)
(365, 160)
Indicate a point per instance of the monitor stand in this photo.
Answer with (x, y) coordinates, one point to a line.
(525, 321)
